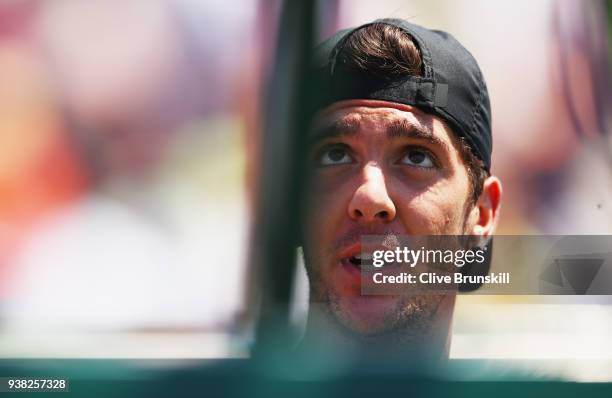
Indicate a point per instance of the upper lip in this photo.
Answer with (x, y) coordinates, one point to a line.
(356, 249)
(350, 251)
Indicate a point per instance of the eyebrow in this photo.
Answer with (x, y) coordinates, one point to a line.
(403, 128)
(343, 127)
(407, 129)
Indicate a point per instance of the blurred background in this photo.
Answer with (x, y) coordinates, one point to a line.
(130, 138)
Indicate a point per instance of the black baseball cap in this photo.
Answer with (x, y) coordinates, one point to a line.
(452, 86)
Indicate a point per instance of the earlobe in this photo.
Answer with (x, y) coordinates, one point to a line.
(487, 208)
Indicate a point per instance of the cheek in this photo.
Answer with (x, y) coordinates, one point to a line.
(439, 209)
(325, 210)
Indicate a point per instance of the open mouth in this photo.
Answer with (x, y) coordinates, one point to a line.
(365, 262)
(355, 261)
(360, 261)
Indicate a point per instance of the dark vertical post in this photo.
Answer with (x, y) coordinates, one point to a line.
(277, 221)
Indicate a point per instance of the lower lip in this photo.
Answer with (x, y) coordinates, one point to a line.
(349, 281)
(348, 277)
(350, 267)
(353, 277)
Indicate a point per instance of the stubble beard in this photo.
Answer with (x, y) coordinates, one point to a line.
(409, 320)
(412, 319)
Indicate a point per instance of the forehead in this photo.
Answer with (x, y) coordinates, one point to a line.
(380, 117)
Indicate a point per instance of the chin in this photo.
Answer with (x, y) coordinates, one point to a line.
(375, 315)
(367, 315)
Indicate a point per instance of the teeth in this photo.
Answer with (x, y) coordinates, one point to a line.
(365, 256)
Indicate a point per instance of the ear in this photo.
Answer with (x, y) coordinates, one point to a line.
(485, 213)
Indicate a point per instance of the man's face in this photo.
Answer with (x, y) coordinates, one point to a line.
(378, 168)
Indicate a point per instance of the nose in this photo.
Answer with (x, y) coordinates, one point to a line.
(371, 202)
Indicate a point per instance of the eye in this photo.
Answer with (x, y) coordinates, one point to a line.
(332, 156)
(418, 158)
